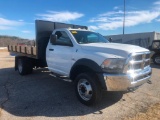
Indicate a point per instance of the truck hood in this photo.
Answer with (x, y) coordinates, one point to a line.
(116, 49)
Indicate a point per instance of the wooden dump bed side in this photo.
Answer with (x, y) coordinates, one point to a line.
(23, 50)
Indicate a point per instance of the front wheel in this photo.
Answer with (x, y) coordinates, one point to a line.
(156, 59)
(87, 89)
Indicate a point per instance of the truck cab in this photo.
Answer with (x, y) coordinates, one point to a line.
(67, 49)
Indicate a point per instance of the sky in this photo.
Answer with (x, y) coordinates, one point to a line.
(17, 17)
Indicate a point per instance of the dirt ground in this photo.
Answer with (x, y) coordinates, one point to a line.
(39, 96)
(152, 113)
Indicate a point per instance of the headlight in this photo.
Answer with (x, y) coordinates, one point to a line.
(113, 65)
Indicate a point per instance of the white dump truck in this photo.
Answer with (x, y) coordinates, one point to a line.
(85, 58)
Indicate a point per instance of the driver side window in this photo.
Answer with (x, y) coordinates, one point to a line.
(63, 38)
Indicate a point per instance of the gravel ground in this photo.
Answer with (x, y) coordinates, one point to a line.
(153, 113)
(39, 96)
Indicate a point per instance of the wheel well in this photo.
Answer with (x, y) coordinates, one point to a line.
(85, 69)
(79, 69)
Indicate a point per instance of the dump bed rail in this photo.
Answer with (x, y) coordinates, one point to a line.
(23, 50)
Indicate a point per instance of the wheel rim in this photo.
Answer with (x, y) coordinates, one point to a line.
(84, 89)
(157, 59)
(20, 65)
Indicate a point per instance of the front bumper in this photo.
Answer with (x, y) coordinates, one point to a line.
(123, 82)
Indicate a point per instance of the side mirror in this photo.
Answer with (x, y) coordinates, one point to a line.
(53, 39)
(110, 39)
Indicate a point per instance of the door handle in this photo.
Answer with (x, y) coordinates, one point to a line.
(51, 49)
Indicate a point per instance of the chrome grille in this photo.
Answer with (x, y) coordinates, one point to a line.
(138, 66)
(147, 63)
(140, 61)
(137, 57)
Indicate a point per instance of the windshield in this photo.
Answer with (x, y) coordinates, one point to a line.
(85, 37)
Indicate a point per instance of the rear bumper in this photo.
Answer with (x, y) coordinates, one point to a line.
(123, 82)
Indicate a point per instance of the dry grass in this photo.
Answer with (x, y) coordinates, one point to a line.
(153, 113)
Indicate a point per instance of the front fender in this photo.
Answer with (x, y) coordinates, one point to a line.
(88, 65)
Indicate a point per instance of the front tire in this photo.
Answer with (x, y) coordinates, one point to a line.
(156, 59)
(87, 89)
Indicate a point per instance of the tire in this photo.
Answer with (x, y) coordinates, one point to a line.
(21, 65)
(87, 89)
(156, 59)
(24, 66)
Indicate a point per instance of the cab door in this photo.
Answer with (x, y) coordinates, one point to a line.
(59, 55)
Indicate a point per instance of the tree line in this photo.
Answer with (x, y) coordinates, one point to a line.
(13, 40)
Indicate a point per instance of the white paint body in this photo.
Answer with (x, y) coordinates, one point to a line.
(62, 58)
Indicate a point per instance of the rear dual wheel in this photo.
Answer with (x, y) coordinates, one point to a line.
(24, 66)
